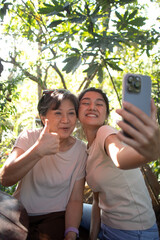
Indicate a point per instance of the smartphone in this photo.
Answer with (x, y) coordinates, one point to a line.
(137, 90)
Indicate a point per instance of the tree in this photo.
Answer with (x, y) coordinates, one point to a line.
(65, 36)
(83, 33)
(98, 38)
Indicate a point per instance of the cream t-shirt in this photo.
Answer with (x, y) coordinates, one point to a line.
(47, 187)
(123, 196)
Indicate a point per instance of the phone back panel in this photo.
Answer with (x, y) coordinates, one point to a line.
(142, 98)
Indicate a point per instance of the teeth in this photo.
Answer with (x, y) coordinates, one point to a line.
(91, 115)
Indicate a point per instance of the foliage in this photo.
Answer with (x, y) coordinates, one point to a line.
(7, 107)
(71, 44)
(3, 8)
(96, 41)
(5, 151)
(83, 33)
(10, 190)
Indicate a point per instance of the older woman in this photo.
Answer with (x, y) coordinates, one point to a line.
(49, 164)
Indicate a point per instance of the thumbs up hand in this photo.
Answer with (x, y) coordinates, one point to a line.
(48, 142)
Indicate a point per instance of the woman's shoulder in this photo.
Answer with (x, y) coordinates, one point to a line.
(27, 133)
(80, 143)
(106, 129)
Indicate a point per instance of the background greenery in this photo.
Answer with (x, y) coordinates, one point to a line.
(73, 45)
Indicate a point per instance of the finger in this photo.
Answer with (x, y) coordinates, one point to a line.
(46, 126)
(130, 118)
(153, 110)
(133, 111)
(129, 129)
(56, 137)
(128, 141)
(124, 139)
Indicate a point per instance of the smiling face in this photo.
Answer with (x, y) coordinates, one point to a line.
(62, 120)
(92, 110)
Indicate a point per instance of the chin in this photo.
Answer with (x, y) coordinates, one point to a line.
(64, 135)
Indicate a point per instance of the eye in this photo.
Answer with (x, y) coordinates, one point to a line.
(57, 113)
(99, 104)
(72, 113)
(85, 103)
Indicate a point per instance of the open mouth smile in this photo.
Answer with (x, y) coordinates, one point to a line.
(92, 115)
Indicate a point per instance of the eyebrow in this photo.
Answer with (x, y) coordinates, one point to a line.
(70, 109)
(98, 99)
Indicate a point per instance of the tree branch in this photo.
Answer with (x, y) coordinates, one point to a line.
(60, 74)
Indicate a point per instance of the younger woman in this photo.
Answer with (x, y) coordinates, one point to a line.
(122, 207)
(49, 164)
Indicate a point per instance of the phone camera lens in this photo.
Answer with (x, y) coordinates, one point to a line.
(130, 79)
(137, 84)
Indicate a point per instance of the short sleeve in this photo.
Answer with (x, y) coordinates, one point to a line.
(26, 139)
(104, 132)
(82, 162)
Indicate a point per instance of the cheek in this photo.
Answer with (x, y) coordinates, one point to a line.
(74, 121)
(79, 117)
(80, 113)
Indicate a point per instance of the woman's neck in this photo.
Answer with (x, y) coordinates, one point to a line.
(90, 133)
(66, 144)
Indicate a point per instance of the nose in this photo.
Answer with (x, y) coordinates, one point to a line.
(64, 118)
(92, 106)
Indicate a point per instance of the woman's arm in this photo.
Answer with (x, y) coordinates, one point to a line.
(146, 137)
(74, 209)
(20, 163)
(123, 156)
(95, 218)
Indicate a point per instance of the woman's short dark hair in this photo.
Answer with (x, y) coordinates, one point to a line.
(52, 99)
(92, 89)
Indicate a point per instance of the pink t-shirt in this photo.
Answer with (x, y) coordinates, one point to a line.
(123, 196)
(48, 185)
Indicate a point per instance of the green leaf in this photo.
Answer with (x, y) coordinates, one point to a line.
(139, 21)
(100, 73)
(73, 63)
(132, 14)
(75, 50)
(92, 69)
(59, 14)
(114, 66)
(118, 15)
(46, 10)
(55, 2)
(95, 11)
(126, 14)
(77, 64)
(77, 19)
(55, 23)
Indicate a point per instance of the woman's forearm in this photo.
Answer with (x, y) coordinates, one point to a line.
(95, 219)
(123, 156)
(73, 217)
(74, 214)
(18, 165)
(74, 209)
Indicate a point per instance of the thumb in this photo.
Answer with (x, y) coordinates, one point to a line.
(46, 126)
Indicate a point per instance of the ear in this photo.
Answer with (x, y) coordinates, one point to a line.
(43, 119)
